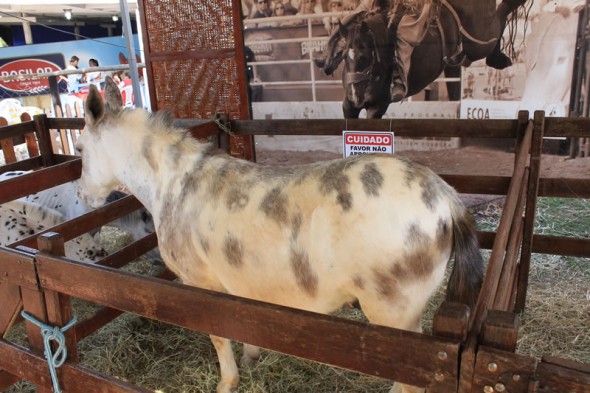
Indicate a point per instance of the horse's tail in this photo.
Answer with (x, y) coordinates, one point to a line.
(467, 274)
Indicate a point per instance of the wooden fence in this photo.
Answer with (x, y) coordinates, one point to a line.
(458, 357)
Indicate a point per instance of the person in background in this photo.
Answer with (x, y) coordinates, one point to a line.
(262, 9)
(73, 80)
(280, 9)
(310, 7)
(331, 22)
(290, 9)
(94, 77)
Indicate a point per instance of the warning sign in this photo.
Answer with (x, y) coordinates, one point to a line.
(365, 142)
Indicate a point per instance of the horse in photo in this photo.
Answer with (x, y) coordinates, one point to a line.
(460, 33)
(376, 228)
(550, 55)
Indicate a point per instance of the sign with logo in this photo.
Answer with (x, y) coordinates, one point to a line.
(486, 109)
(17, 66)
(366, 142)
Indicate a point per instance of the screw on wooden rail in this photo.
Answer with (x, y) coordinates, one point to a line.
(516, 377)
(500, 387)
(488, 389)
(439, 377)
(442, 355)
(493, 367)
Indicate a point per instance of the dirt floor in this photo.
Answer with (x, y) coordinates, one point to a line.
(468, 160)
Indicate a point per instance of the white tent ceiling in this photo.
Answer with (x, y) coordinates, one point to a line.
(52, 11)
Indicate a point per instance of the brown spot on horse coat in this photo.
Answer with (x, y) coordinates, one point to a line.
(236, 199)
(386, 284)
(146, 151)
(414, 266)
(274, 205)
(358, 282)
(304, 276)
(372, 179)
(415, 236)
(296, 222)
(233, 250)
(334, 179)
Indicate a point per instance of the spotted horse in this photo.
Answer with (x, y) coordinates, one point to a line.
(21, 219)
(376, 228)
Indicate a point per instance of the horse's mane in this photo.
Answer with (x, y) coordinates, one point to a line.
(509, 45)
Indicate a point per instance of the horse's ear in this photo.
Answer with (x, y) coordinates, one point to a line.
(112, 96)
(93, 107)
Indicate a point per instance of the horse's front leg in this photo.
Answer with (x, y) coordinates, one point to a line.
(349, 110)
(227, 365)
(496, 58)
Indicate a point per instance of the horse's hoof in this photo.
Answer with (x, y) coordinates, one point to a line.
(248, 361)
(228, 387)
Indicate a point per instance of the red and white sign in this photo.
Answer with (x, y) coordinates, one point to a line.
(366, 142)
(26, 66)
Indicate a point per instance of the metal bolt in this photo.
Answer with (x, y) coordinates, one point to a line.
(516, 377)
(439, 376)
(500, 387)
(488, 389)
(442, 355)
(493, 367)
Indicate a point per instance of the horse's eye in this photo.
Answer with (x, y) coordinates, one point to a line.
(78, 149)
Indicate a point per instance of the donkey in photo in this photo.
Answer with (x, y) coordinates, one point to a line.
(375, 228)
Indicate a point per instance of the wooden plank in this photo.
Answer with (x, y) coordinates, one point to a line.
(451, 320)
(564, 187)
(402, 127)
(130, 252)
(105, 314)
(546, 244)
(66, 123)
(469, 184)
(530, 211)
(500, 330)
(567, 127)
(503, 296)
(44, 136)
(72, 378)
(30, 183)
(389, 353)
(11, 305)
(58, 305)
(496, 260)
(7, 380)
(8, 150)
(17, 130)
(24, 165)
(501, 371)
(559, 375)
(86, 222)
(17, 268)
(34, 305)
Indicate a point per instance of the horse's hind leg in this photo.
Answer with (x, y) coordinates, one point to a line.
(350, 111)
(394, 314)
(250, 356)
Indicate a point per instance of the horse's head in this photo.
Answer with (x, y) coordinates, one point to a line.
(97, 178)
(335, 48)
(367, 61)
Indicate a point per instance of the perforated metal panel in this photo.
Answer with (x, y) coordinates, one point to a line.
(195, 60)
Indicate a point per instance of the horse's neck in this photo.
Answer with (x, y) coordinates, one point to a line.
(149, 170)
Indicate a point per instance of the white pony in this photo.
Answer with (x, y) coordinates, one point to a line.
(376, 228)
(22, 219)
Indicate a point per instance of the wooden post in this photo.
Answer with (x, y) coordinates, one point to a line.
(59, 306)
(30, 139)
(7, 145)
(44, 137)
(530, 210)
